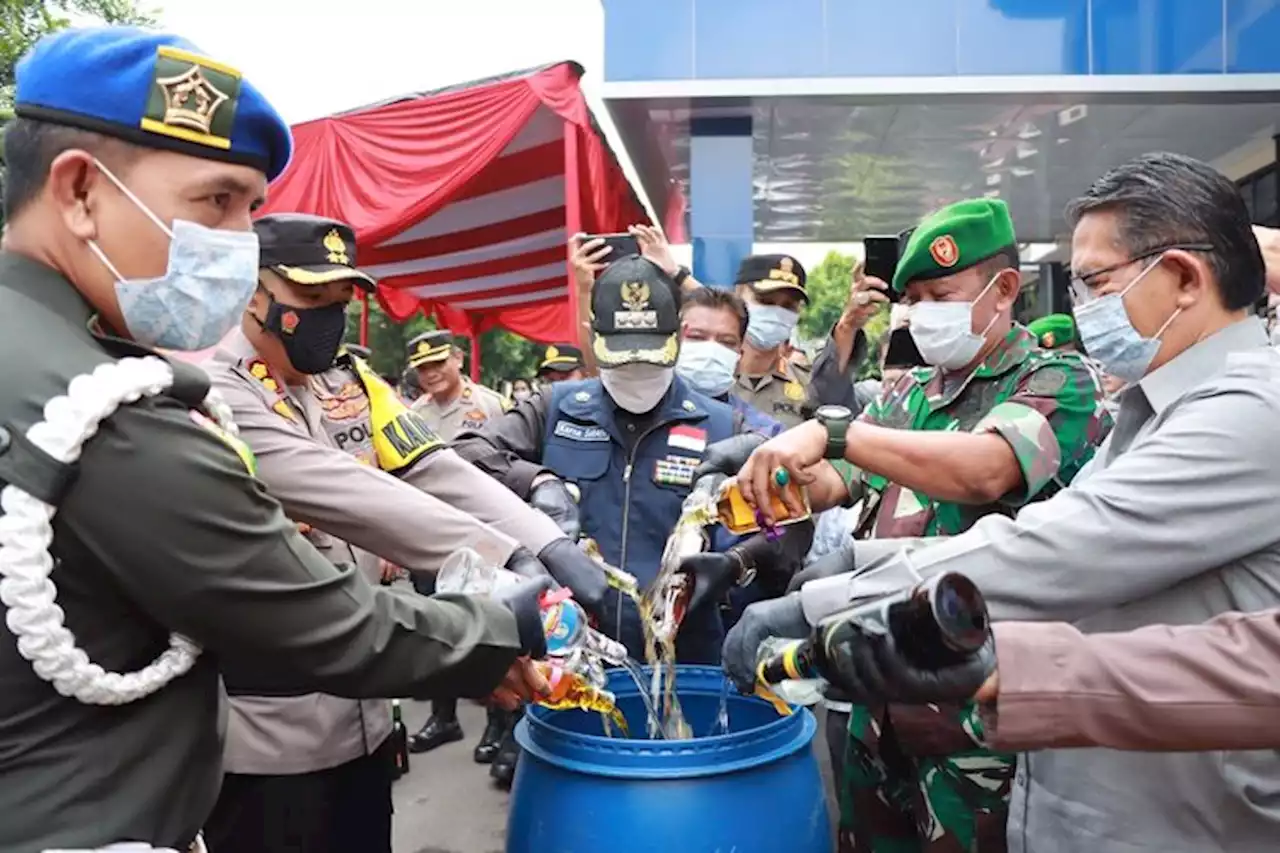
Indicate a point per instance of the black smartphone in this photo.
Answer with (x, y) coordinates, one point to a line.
(881, 255)
(621, 244)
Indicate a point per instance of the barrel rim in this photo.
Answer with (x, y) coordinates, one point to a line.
(602, 756)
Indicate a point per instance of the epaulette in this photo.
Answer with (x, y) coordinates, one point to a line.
(258, 370)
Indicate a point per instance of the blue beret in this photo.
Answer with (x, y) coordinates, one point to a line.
(151, 89)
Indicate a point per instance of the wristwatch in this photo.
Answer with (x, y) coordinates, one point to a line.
(836, 420)
(682, 273)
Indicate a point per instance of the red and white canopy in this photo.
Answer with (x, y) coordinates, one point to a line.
(463, 200)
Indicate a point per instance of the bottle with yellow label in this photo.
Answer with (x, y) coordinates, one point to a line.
(739, 517)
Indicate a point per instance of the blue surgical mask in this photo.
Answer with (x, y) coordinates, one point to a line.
(210, 276)
(769, 326)
(707, 366)
(1107, 335)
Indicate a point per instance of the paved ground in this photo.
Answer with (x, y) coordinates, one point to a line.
(448, 805)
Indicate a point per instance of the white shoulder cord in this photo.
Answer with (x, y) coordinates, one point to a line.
(26, 532)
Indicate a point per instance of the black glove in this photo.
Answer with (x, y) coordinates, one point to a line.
(524, 601)
(552, 499)
(572, 568)
(863, 660)
(837, 562)
(776, 561)
(711, 574)
(523, 563)
(777, 617)
(728, 456)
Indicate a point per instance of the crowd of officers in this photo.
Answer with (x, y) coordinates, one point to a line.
(244, 557)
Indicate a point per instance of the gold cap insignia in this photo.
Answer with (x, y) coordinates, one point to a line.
(552, 354)
(635, 295)
(337, 248)
(192, 98)
(424, 348)
(785, 264)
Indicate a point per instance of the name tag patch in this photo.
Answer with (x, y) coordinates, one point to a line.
(578, 432)
(675, 470)
(687, 438)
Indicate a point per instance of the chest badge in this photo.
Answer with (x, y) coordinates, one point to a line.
(690, 438)
(793, 391)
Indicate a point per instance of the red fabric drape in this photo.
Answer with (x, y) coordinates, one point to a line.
(395, 171)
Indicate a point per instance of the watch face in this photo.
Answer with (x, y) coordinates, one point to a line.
(833, 413)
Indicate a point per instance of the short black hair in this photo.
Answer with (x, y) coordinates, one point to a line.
(1165, 199)
(719, 299)
(31, 146)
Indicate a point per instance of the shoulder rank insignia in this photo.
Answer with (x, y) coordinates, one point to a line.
(258, 370)
(581, 397)
(242, 450)
(688, 406)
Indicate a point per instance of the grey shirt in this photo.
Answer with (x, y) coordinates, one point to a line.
(164, 530)
(1173, 522)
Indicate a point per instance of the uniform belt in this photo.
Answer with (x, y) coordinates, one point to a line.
(196, 846)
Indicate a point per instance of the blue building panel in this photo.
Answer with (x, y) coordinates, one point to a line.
(650, 40)
(861, 40)
(1253, 34)
(1173, 37)
(763, 39)
(736, 40)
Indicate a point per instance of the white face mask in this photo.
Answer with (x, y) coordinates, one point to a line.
(637, 388)
(210, 276)
(769, 326)
(943, 331)
(708, 366)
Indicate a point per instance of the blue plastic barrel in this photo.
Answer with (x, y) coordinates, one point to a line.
(756, 789)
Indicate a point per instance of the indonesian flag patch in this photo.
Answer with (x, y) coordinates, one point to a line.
(688, 438)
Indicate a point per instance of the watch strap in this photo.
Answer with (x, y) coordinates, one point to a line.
(837, 431)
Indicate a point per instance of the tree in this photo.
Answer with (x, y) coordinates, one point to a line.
(828, 289)
(23, 22)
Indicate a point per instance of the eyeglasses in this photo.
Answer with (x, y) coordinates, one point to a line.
(1080, 287)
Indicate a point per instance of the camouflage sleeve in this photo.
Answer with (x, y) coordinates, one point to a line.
(1054, 420)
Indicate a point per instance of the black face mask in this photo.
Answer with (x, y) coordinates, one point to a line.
(311, 336)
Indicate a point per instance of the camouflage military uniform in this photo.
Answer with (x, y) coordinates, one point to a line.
(928, 786)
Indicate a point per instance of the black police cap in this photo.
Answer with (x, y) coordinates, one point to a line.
(309, 249)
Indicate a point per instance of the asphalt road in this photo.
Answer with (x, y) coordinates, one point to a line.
(447, 803)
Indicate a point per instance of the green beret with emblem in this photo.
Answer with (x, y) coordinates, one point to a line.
(1054, 330)
(952, 239)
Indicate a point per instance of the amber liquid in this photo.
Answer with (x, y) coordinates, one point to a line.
(570, 690)
(739, 517)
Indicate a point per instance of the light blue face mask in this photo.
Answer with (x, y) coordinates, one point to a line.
(1108, 337)
(211, 275)
(707, 365)
(769, 326)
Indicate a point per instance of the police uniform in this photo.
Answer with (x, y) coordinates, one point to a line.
(475, 404)
(929, 785)
(162, 525)
(783, 393)
(325, 449)
(633, 471)
(560, 358)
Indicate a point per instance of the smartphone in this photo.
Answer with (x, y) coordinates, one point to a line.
(882, 259)
(621, 244)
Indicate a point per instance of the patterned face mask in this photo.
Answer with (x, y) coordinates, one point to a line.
(1108, 336)
(210, 276)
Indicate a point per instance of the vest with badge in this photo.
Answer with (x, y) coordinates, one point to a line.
(631, 501)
